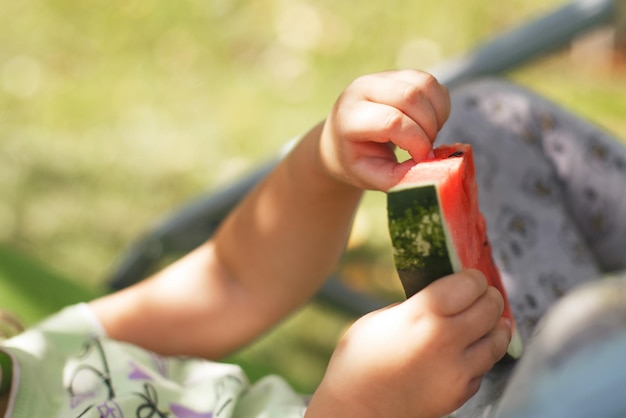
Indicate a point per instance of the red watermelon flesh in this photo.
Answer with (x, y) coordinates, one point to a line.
(436, 225)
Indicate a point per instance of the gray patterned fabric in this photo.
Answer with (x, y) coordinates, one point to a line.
(573, 367)
(552, 188)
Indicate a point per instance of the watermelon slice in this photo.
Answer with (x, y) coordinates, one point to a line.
(436, 227)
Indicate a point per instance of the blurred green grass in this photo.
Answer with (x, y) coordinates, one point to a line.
(113, 113)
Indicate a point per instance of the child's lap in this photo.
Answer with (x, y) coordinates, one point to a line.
(552, 207)
(573, 364)
(551, 187)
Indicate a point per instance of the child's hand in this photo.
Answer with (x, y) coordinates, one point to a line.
(421, 358)
(373, 115)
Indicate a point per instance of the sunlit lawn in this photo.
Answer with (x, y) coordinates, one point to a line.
(115, 112)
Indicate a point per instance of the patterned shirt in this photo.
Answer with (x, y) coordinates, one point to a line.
(66, 367)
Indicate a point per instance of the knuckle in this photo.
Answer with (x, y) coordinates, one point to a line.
(413, 94)
(497, 301)
(476, 281)
(477, 276)
(394, 121)
(428, 83)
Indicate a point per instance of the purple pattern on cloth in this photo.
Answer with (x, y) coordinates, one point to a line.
(110, 409)
(137, 373)
(181, 411)
(160, 364)
(77, 399)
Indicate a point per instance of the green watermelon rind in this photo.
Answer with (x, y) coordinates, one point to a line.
(423, 250)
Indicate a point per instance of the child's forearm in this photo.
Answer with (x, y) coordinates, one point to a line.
(270, 255)
(287, 237)
(325, 405)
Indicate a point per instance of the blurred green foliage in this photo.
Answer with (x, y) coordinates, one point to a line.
(114, 112)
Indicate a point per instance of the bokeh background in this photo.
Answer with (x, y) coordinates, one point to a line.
(113, 113)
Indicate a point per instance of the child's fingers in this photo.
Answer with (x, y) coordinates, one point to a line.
(408, 97)
(485, 352)
(379, 172)
(453, 294)
(416, 94)
(383, 123)
(480, 317)
(436, 93)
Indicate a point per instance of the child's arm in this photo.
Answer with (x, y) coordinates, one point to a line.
(422, 358)
(270, 256)
(275, 249)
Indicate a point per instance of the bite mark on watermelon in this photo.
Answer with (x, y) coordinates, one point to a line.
(436, 226)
